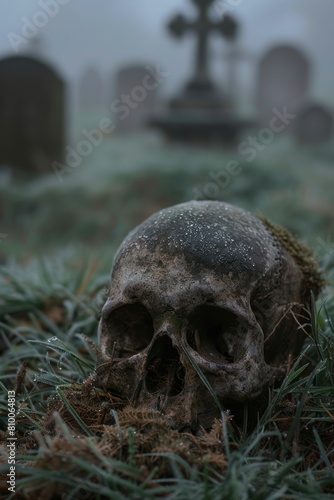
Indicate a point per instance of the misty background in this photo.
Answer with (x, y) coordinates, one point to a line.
(129, 176)
(107, 34)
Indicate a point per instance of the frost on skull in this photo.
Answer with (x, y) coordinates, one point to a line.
(203, 284)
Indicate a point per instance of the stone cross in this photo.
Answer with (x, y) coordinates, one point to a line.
(203, 26)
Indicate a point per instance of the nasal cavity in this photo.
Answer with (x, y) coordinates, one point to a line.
(164, 371)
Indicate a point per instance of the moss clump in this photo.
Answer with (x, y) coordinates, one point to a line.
(313, 280)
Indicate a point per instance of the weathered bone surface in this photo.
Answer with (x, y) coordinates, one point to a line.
(202, 283)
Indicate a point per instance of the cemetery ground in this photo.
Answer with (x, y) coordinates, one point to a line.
(74, 440)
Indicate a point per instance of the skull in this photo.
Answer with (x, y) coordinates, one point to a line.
(201, 293)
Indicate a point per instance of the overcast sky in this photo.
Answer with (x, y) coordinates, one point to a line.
(111, 33)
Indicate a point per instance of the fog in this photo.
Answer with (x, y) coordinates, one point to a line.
(48, 128)
(109, 34)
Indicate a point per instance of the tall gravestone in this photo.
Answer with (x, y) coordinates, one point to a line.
(314, 125)
(137, 99)
(91, 90)
(31, 115)
(283, 81)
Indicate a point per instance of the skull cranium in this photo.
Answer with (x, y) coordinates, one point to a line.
(206, 285)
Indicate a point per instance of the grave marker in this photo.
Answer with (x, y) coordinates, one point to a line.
(314, 125)
(283, 80)
(31, 114)
(91, 90)
(136, 96)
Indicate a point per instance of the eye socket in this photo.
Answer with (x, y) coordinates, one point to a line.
(214, 334)
(130, 330)
(260, 310)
